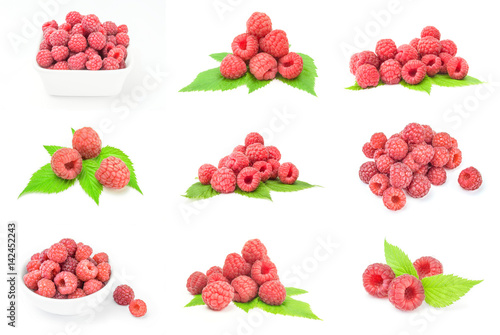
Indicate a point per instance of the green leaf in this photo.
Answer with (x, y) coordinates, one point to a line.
(307, 79)
(424, 86)
(51, 149)
(197, 301)
(114, 152)
(292, 291)
(212, 80)
(219, 56)
(199, 191)
(262, 192)
(277, 186)
(398, 260)
(356, 87)
(253, 84)
(290, 307)
(88, 181)
(444, 290)
(46, 181)
(72, 131)
(445, 81)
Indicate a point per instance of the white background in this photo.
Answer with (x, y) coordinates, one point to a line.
(155, 241)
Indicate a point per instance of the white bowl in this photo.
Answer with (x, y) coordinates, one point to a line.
(68, 306)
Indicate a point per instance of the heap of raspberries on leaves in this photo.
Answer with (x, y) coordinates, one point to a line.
(83, 42)
(405, 292)
(247, 166)
(412, 160)
(427, 55)
(241, 279)
(266, 51)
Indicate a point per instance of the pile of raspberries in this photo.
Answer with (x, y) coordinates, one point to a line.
(83, 42)
(124, 295)
(266, 51)
(405, 292)
(427, 55)
(247, 166)
(242, 279)
(412, 160)
(67, 163)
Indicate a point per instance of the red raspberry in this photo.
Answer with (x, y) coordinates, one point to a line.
(74, 18)
(137, 308)
(47, 32)
(66, 163)
(218, 295)
(429, 45)
(455, 158)
(57, 253)
(394, 198)
(390, 72)
(410, 162)
(432, 64)
(428, 134)
(423, 169)
(91, 260)
(274, 153)
(32, 278)
(436, 175)
(265, 169)
(259, 25)
(97, 40)
(33, 265)
(45, 45)
(59, 295)
(442, 140)
(103, 272)
(367, 170)
(59, 37)
(449, 47)
(378, 153)
(46, 288)
(223, 180)
(77, 29)
(113, 173)
(109, 63)
(378, 140)
(441, 157)
(122, 28)
(91, 52)
(65, 282)
(101, 257)
(110, 27)
(445, 57)
(109, 46)
(368, 150)
(236, 161)
(470, 179)
(406, 53)
(290, 66)
(419, 187)
(413, 133)
(112, 39)
(457, 68)
(240, 148)
(245, 46)
(400, 175)
(430, 31)
(214, 269)
(406, 293)
(263, 66)
(44, 58)
(249, 179)
(59, 53)
(116, 53)
(43, 256)
(66, 27)
(122, 39)
(77, 42)
(276, 166)
(427, 267)
(90, 23)
(92, 286)
(275, 43)
(196, 283)
(272, 293)
(85, 270)
(123, 295)
(361, 58)
(69, 265)
(79, 293)
(245, 289)
(235, 266)
(377, 278)
(94, 63)
(82, 252)
(413, 72)
(396, 148)
(288, 173)
(87, 142)
(205, 173)
(367, 75)
(378, 184)
(232, 67)
(253, 138)
(264, 271)
(124, 49)
(454, 143)
(386, 49)
(216, 277)
(254, 250)
(77, 62)
(257, 152)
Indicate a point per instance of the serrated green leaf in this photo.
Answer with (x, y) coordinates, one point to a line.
(262, 192)
(444, 80)
(424, 86)
(292, 291)
(46, 181)
(110, 151)
(290, 307)
(444, 290)
(219, 56)
(199, 191)
(277, 186)
(51, 149)
(212, 80)
(307, 79)
(88, 181)
(398, 260)
(253, 84)
(197, 301)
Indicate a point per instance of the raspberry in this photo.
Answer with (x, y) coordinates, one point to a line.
(254, 250)
(112, 39)
(428, 134)
(101, 257)
(272, 293)
(400, 175)
(259, 25)
(410, 162)
(263, 66)
(137, 308)
(65, 282)
(92, 286)
(427, 267)
(368, 150)
(46, 288)
(77, 29)
(394, 198)
(73, 18)
(386, 49)
(47, 32)
(275, 43)
(77, 294)
(110, 27)
(109, 46)
(274, 153)
(44, 58)
(218, 295)
(91, 52)
(249, 179)
(94, 63)
(413, 72)
(419, 187)
(122, 39)
(77, 43)
(196, 283)
(232, 67)
(265, 169)
(240, 148)
(109, 63)
(396, 148)
(414, 44)
(455, 158)
(236, 161)
(85, 270)
(205, 173)
(59, 53)
(245, 289)
(91, 260)
(59, 37)
(445, 57)
(454, 143)
(223, 180)
(33, 265)
(245, 46)
(367, 75)
(449, 47)
(235, 266)
(66, 163)
(406, 53)
(43, 256)
(77, 62)
(214, 269)
(442, 140)
(123, 295)
(87, 142)
(276, 166)
(457, 68)
(290, 66)
(253, 138)
(441, 157)
(82, 252)
(432, 64)
(90, 23)
(32, 278)
(122, 28)
(216, 277)
(69, 265)
(113, 173)
(361, 58)
(430, 31)
(367, 171)
(124, 49)
(103, 272)
(288, 173)
(45, 45)
(116, 53)
(59, 295)
(264, 271)
(413, 133)
(423, 170)
(97, 40)
(57, 253)
(429, 45)
(436, 175)
(390, 72)
(470, 179)
(406, 293)
(257, 152)
(378, 184)
(377, 278)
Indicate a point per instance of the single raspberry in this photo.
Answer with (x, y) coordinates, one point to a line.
(274, 153)
(390, 72)
(66, 27)
(69, 265)
(65, 282)
(427, 267)
(66, 163)
(205, 173)
(216, 277)
(470, 179)
(410, 162)
(45, 45)
(46, 288)
(245, 46)
(429, 45)
(91, 52)
(101, 257)
(122, 39)
(232, 67)
(240, 148)
(406, 53)
(432, 64)
(367, 170)
(257, 152)
(400, 175)
(275, 43)
(85, 270)
(138, 308)
(44, 256)
(406, 292)
(436, 175)
(290, 66)
(386, 49)
(245, 289)
(378, 140)
(77, 43)
(265, 169)
(276, 166)
(112, 39)
(214, 269)
(59, 295)
(90, 23)
(77, 62)
(32, 278)
(236, 161)
(123, 295)
(235, 266)
(361, 58)
(33, 265)
(110, 27)
(44, 58)
(92, 286)
(223, 180)
(97, 40)
(87, 142)
(442, 140)
(79, 293)
(109, 63)
(249, 179)
(396, 148)
(47, 32)
(196, 283)
(116, 53)
(254, 250)
(414, 44)
(122, 28)
(378, 153)
(423, 169)
(74, 18)
(377, 278)
(109, 46)
(218, 295)
(263, 66)
(413, 133)
(264, 271)
(367, 75)
(57, 253)
(454, 143)
(253, 138)
(457, 68)
(419, 186)
(428, 134)
(59, 53)
(59, 37)
(455, 158)
(37, 257)
(288, 173)
(449, 47)
(394, 198)
(413, 72)
(103, 272)
(77, 29)
(259, 25)
(368, 150)
(94, 63)
(378, 184)
(113, 173)
(441, 157)
(430, 31)
(272, 293)
(445, 57)
(82, 252)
